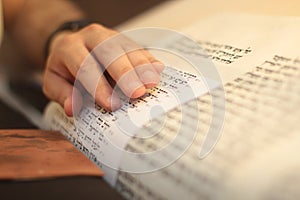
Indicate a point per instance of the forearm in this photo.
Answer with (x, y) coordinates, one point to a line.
(30, 23)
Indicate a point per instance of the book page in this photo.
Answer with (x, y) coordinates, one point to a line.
(237, 42)
(258, 60)
(103, 135)
(257, 135)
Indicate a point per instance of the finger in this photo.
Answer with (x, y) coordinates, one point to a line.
(113, 58)
(143, 67)
(91, 75)
(73, 54)
(58, 89)
(103, 41)
(158, 66)
(115, 61)
(110, 52)
(83, 66)
(122, 71)
(105, 96)
(66, 47)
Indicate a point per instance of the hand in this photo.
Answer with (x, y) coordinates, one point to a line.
(131, 67)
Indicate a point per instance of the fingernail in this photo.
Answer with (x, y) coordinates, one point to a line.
(159, 67)
(150, 77)
(114, 102)
(133, 86)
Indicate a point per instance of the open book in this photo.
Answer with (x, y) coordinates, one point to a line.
(253, 153)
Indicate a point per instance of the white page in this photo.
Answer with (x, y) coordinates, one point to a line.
(252, 136)
(265, 36)
(103, 135)
(269, 39)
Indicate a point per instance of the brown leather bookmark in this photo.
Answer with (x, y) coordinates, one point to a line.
(34, 154)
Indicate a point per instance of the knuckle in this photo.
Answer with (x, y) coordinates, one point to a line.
(82, 70)
(45, 89)
(112, 32)
(69, 40)
(94, 27)
(124, 70)
(51, 61)
(149, 56)
(152, 59)
(141, 62)
(98, 28)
